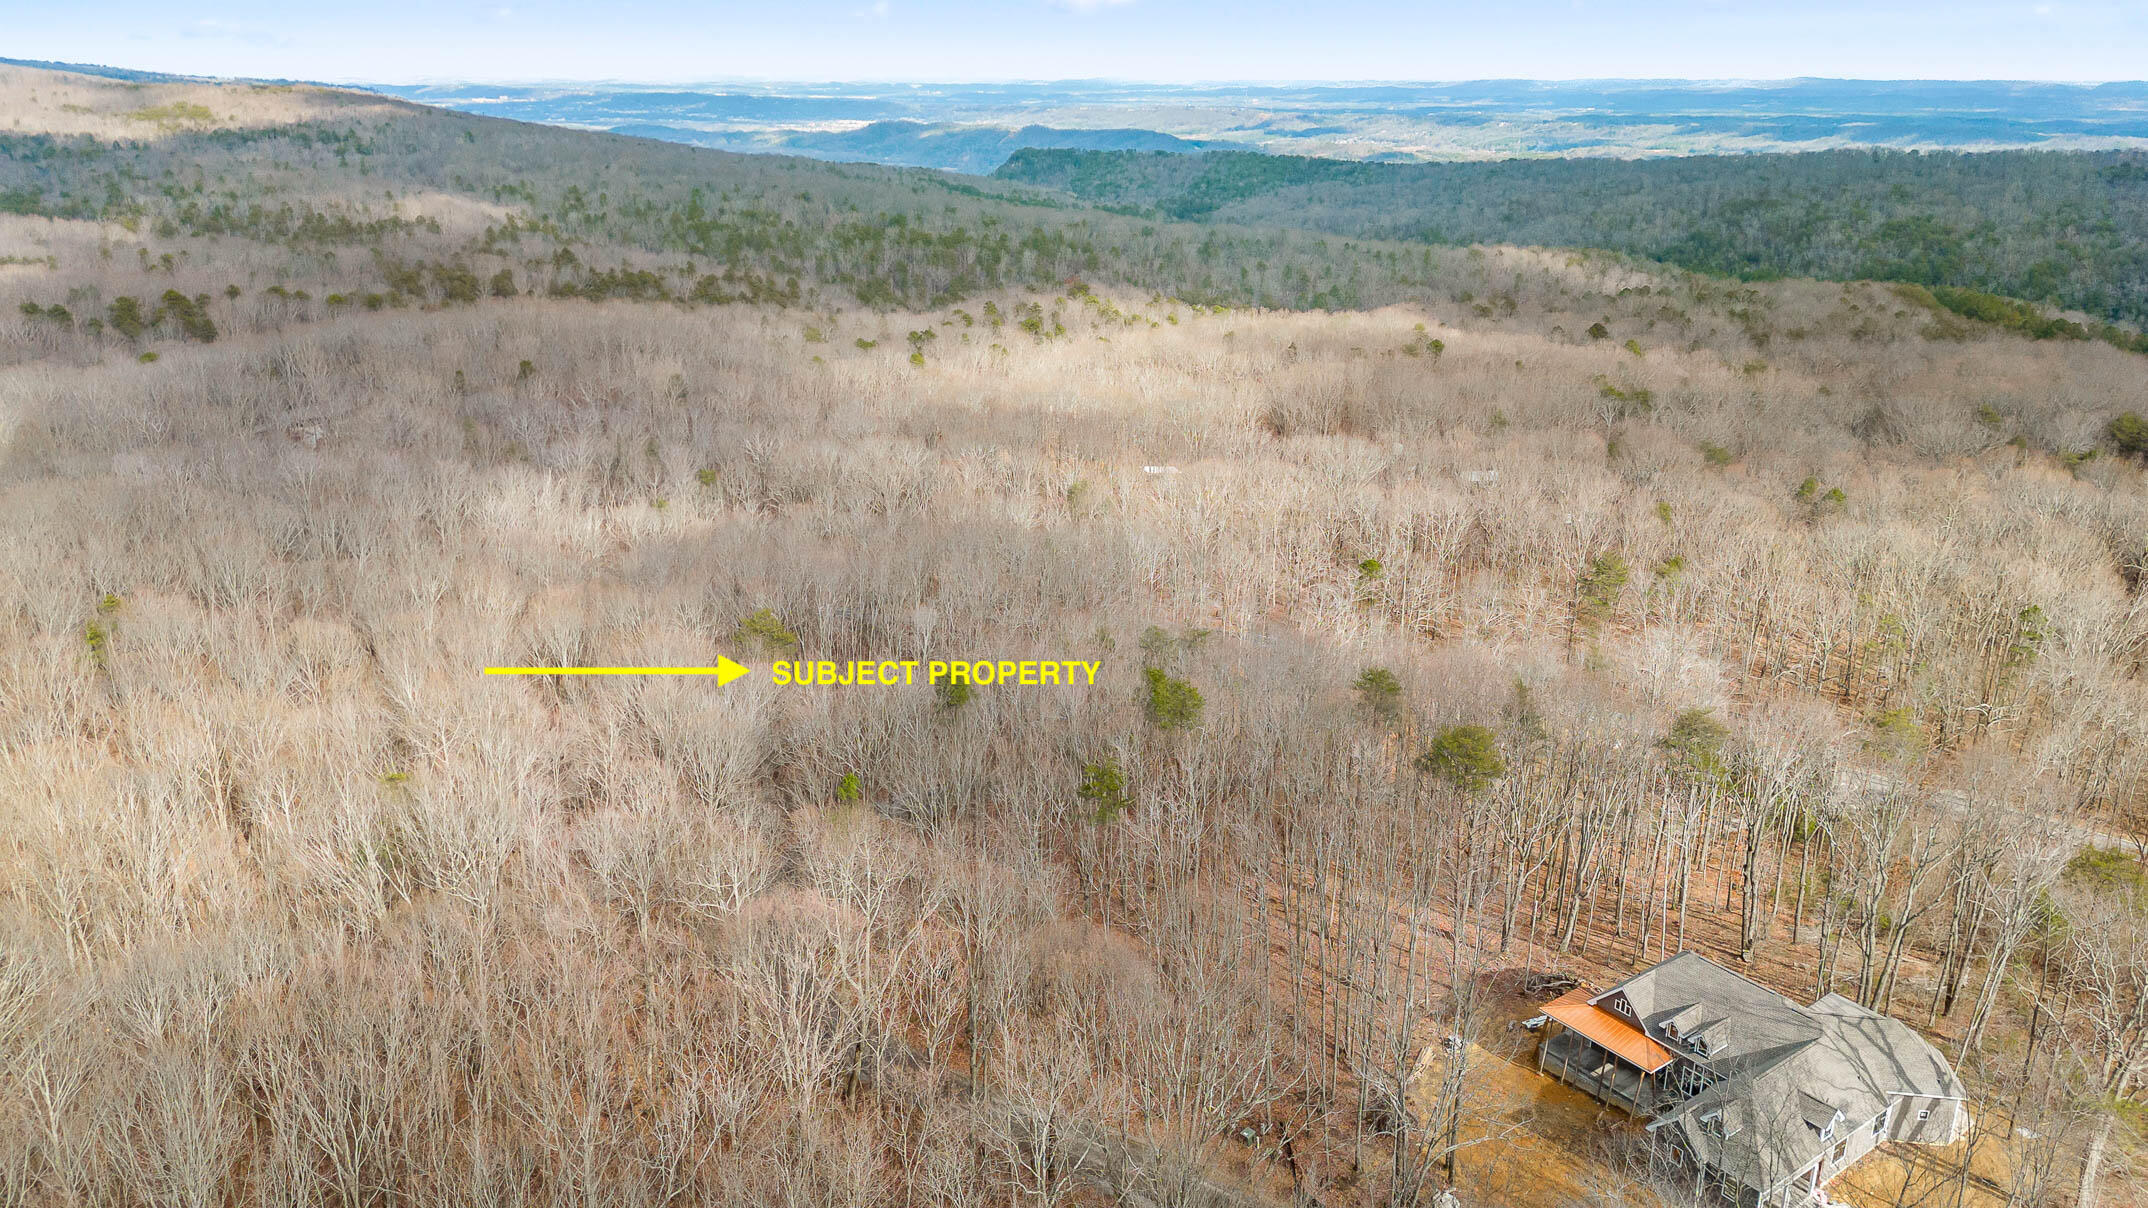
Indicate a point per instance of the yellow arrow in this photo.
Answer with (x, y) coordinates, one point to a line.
(725, 670)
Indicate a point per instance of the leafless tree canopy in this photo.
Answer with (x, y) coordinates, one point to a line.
(1793, 632)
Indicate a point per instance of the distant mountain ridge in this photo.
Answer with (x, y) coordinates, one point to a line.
(109, 73)
(133, 76)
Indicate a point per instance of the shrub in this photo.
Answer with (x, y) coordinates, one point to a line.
(1379, 691)
(1466, 757)
(1173, 704)
(1600, 583)
(1695, 741)
(2031, 627)
(1896, 734)
(765, 630)
(192, 314)
(2129, 432)
(2106, 868)
(1103, 786)
(1524, 720)
(125, 317)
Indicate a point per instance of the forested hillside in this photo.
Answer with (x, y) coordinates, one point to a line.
(342, 176)
(2065, 230)
(1559, 613)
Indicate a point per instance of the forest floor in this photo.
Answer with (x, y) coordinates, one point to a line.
(1546, 1148)
(1896, 1175)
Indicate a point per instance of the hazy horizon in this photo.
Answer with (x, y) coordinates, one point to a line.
(1216, 82)
(1293, 82)
(1186, 41)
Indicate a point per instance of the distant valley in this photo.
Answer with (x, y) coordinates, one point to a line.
(976, 127)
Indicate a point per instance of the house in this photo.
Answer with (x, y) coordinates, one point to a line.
(1749, 1093)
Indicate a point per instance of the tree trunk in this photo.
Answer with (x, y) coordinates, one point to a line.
(2092, 1161)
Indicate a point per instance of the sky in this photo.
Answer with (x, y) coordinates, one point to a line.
(673, 41)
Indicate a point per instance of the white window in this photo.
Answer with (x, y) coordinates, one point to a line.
(1926, 1114)
(1690, 1079)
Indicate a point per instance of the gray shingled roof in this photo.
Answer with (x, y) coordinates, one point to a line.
(1787, 1069)
(1737, 1018)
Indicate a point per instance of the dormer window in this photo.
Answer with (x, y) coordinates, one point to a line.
(1712, 1124)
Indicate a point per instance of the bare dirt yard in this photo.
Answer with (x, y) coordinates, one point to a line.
(1554, 1147)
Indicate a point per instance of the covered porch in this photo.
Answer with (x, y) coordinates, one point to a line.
(1594, 1051)
(1582, 1064)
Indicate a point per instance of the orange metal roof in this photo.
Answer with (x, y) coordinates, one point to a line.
(1630, 1043)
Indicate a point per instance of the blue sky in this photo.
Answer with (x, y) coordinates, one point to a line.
(400, 41)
